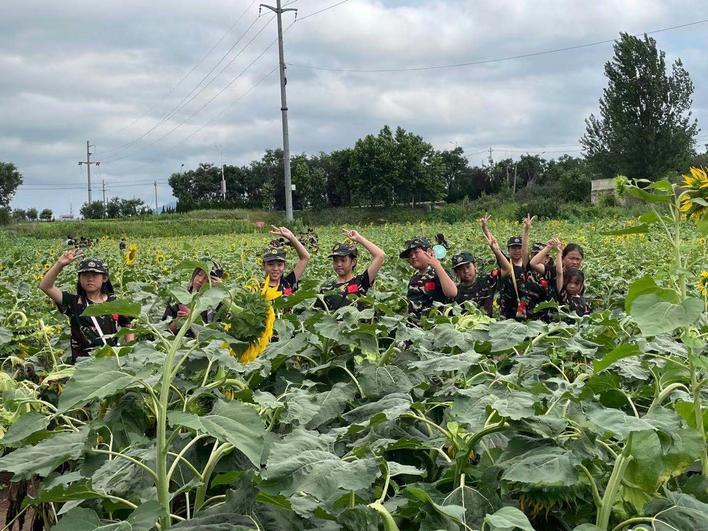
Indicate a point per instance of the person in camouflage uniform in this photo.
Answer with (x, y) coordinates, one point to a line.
(431, 283)
(479, 290)
(93, 287)
(508, 287)
(347, 286)
(274, 263)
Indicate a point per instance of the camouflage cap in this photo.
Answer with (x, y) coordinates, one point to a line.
(462, 259)
(419, 242)
(344, 249)
(514, 241)
(274, 253)
(92, 264)
(537, 247)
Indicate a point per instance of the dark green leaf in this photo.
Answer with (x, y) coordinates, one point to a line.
(655, 315)
(26, 425)
(543, 467)
(508, 518)
(45, 456)
(619, 352)
(119, 306)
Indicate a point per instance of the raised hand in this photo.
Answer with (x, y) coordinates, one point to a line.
(484, 220)
(352, 235)
(69, 256)
(528, 221)
(282, 231)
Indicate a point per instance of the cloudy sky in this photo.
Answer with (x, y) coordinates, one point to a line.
(155, 85)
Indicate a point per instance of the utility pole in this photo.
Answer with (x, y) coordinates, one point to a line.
(103, 188)
(491, 161)
(88, 163)
(278, 10)
(223, 184)
(155, 183)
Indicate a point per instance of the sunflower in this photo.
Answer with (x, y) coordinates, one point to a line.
(702, 284)
(694, 198)
(250, 319)
(131, 254)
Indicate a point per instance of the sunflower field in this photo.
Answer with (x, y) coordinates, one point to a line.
(280, 415)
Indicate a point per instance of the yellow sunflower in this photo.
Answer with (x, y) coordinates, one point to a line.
(131, 254)
(702, 284)
(694, 198)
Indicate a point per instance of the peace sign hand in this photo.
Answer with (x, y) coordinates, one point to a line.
(69, 256)
(352, 235)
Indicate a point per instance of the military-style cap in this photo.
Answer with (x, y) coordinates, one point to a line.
(344, 249)
(462, 259)
(274, 253)
(418, 242)
(217, 270)
(514, 241)
(92, 264)
(537, 247)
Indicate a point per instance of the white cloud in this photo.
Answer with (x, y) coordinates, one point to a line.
(110, 71)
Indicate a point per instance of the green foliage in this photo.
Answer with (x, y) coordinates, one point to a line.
(10, 179)
(645, 129)
(46, 214)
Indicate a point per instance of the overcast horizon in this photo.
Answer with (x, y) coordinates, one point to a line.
(159, 85)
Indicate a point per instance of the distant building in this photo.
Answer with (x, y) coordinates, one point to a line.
(603, 187)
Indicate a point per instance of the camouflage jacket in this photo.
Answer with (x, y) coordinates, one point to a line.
(481, 292)
(424, 288)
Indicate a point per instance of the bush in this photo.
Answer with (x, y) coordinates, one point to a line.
(5, 217)
(543, 208)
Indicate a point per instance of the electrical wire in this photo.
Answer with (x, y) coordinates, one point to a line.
(196, 90)
(486, 61)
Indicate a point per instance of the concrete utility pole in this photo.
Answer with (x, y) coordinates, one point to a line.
(278, 10)
(88, 163)
(155, 183)
(103, 189)
(223, 184)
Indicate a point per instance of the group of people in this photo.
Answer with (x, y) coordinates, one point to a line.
(524, 278)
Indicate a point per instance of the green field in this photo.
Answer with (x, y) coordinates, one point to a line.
(359, 419)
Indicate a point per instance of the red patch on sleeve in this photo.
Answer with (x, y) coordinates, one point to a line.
(495, 272)
(352, 288)
(544, 283)
(287, 292)
(115, 316)
(429, 285)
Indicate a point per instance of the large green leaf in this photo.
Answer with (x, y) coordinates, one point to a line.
(234, 422)
(508, 519)
(646, 285)
(617, 422)
(95, 379)
(619, 352)
(319, 473)
(45, 456)
(543, 467)
(655, 316)
(119, 306)
(378, 381)
(678, 511)
(29, 423)
(516, 405)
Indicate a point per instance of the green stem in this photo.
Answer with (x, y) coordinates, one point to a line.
(632, 521)
(162, 447)
(613, 485)
(127, 458)
(181, 456)
(217, 453)
(385, 486)
(593, 487)
(697, 410)
(388, 521)
(665, 392)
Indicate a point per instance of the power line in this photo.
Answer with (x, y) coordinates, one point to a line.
(191, 95)
(323, 10)
(487, 61)
(219, 93)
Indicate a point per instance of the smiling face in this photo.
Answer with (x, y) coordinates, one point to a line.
(343, 265)
(515, 253)
(466, 273)
(91, 281)
(573, 260)
(274, 270)
(416, 258)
